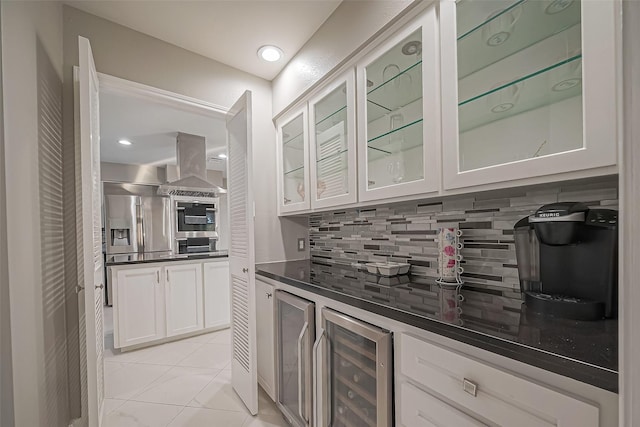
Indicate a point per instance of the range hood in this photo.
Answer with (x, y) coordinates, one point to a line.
(192, 170)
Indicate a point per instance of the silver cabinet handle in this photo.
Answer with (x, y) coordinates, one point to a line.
(269, 294)
(245, 270)
(158, 277)
(100, 286)
(167, 276)
(305, 329)
(470, 387)
(287, 200)
(316, 380)
(79, 289)
(328, 396)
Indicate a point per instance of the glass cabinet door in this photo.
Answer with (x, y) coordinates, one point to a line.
(294, 163)
(399, 103)
(295, 332)
(357, 386)
(520, 76)
(332, 136)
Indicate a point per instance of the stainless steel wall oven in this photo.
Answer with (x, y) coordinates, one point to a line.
(195, 224)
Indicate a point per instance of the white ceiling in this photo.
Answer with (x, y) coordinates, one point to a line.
(152, 129)
(227, 31)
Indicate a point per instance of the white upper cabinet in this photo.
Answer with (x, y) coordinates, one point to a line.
(293, 162)
(333, 144)
(398, 114)
(528, 88)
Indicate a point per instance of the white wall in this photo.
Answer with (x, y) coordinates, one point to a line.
(24, 26)
(124, 53)
(350, 26)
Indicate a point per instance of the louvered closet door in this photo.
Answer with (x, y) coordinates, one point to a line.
(89, 229)
(241, 253)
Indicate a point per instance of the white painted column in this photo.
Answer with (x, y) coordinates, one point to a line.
(629, 280)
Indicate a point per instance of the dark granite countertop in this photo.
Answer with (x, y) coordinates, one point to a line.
(124, 259)
(585, 351)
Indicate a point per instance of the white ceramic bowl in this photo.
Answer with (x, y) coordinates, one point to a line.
(388, 269)
(403, 268)
(372, 267)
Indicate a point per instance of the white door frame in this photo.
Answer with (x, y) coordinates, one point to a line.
(116, 85)
(111, 84)
(629, 241)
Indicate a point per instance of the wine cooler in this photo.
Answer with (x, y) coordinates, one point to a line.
(295, 333)
(354, 369)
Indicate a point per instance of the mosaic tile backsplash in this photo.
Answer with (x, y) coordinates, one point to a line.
(407, 232)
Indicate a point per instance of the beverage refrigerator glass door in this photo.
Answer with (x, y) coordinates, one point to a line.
(295, 333)
(356, 379)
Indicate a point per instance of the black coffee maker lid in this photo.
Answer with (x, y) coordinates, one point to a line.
(561, 212)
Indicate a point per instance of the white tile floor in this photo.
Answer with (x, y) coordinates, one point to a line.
(183, 383)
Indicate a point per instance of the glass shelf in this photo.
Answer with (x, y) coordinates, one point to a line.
(513, 29)
(543, 87)
(297, 173)
(341, 109)
(331, 156)
(339, 116)
(295, 142)
(331, 104)
(402, 139)
(398, 91)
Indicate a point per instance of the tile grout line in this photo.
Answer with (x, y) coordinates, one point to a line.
(170, 367)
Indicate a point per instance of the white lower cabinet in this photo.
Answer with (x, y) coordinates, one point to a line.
(139, 314)
(183, 299)
(460, 391)
(422, 409)
(217, 290)
(152, 302)
(265, 337)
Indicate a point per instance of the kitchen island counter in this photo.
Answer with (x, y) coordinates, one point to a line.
(125, 259)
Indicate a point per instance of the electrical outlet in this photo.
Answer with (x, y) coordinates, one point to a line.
(301, 244)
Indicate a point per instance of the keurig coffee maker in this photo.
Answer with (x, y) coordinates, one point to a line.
(568, 261)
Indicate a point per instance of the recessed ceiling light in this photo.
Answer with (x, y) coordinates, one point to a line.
(222, 156)
(124, 142)
(270, 53)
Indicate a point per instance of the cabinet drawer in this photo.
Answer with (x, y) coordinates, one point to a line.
(495, 395)
(420, 409)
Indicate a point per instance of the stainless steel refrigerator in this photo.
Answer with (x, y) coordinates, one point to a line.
(137, 221)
